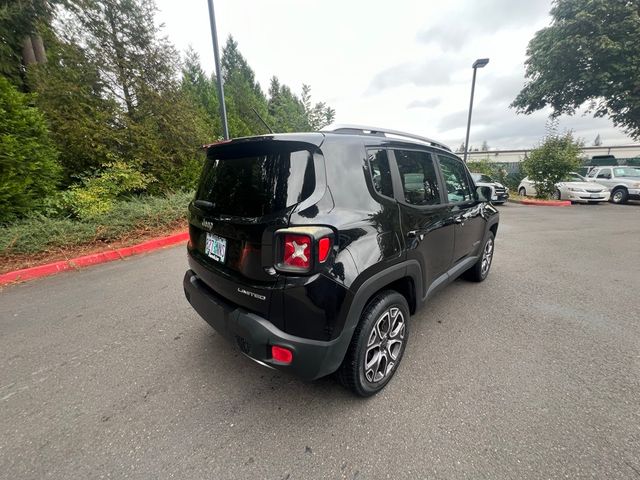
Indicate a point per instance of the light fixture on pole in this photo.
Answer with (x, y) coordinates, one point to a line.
(216, 56)
(479, 63)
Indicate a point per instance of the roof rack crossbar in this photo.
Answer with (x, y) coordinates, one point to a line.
(367, 130)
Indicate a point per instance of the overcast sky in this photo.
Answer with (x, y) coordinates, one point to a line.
(404, 64)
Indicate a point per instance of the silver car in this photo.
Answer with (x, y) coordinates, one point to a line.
(574, 188)
(622, 182)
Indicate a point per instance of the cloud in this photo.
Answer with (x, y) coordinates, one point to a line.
(503, 89)
(503, 129)
(429, 103)
(434, 71)
(479, 18)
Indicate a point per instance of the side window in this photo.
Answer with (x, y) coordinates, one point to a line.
(604, 173)
(419, 179)
(592, 173)
(456, 180)
(380, 173)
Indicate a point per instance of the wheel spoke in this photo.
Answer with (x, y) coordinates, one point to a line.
(394, 348)
(381, 367)
(383, 324)
(397, 326)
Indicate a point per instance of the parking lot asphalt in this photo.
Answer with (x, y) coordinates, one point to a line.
(535, 373)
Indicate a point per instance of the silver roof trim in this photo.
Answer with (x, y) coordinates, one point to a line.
(368, 130)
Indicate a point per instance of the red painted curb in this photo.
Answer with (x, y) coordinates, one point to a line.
(93, 259)
(547, 203)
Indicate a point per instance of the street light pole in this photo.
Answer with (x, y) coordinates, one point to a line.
(479, 63)
(216, 55)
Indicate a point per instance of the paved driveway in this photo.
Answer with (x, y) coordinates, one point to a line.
(108, 373)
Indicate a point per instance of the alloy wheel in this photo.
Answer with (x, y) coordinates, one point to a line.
(487, 256)
(384, 345)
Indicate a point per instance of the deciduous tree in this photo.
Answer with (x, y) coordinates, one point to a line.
(589, 56)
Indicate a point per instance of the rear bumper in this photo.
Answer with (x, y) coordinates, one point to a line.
(254, 335)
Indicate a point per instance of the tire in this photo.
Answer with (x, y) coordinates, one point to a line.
(557, 195)
(619, 195)
(522, 192)
(480, 270)
(389, 312)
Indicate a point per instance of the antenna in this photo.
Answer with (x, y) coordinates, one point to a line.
(262, 120)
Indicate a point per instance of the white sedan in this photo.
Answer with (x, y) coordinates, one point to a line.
(574, 188)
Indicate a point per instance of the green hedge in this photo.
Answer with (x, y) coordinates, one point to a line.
(40, 233)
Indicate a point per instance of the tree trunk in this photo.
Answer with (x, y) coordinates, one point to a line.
(38, 49)
(28, 55)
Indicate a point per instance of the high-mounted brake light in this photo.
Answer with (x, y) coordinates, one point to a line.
(281, 354)
(297, 251)
(324, 245)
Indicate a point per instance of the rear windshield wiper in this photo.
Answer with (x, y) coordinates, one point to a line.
(204, 204)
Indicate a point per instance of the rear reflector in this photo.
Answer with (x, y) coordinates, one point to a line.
(281, 354)
(297, 251)
(324, 245)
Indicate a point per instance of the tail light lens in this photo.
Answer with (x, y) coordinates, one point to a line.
(324, 246)
(297, 251)
(302, 249)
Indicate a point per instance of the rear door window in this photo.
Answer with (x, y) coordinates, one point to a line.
(418, 176)
(256, 180)
(380, 172)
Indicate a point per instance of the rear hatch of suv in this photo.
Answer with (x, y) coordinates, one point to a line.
(247, 191)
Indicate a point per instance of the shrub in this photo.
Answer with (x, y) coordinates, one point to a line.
(482, 166)
(127, 218)
(29, 171)
(96, 195)
(551, 162)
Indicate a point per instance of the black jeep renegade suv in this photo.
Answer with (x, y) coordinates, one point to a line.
(310, 251)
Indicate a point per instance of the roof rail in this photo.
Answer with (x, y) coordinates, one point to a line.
(365, 130)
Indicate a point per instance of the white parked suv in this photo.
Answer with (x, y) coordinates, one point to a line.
(622, 182)
(574, 188)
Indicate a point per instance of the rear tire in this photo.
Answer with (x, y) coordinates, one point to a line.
(619, 195)
(480, 269)
(377, 345)
(522, 192)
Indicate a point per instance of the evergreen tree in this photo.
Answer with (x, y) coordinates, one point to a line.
(71, 94)
(287, 111)
(29, 171)
(242, 93)
(202, 92)
(139, 70)
(319, 115)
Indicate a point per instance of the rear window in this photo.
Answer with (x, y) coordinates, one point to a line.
(256, 180)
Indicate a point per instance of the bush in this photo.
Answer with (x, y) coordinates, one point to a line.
(96, 195)
(551, 162)
(482, 166)
(127, 217)
(29, 171)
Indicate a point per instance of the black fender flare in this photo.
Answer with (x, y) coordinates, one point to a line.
(375, 283)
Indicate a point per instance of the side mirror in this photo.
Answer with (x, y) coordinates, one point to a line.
(484, 194)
